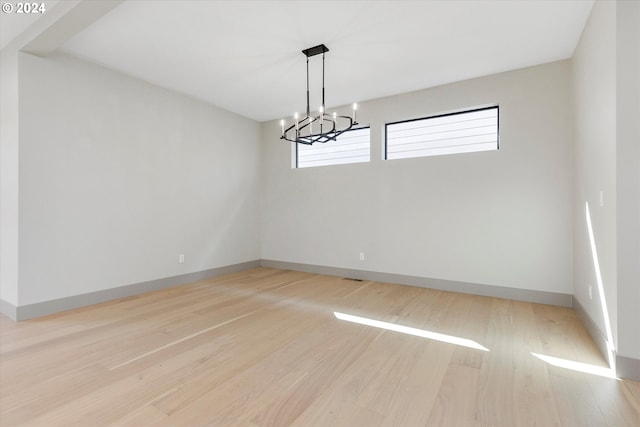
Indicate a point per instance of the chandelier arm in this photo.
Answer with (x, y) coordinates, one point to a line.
(321, 137)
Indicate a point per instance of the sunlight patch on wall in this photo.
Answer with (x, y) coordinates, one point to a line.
(603, 301)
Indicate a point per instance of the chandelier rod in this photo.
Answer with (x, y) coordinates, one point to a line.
(322, 112)
(323, 82)
(308, 109)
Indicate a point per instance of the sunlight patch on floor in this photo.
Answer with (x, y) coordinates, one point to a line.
(411, 331)
(576, 366)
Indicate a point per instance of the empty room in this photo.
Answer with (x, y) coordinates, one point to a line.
(320, 213)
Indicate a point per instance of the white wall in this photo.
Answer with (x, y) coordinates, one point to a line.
(594, 104)
(9, 177)
(628, 176)
(496, 218)
(606, 98)
(118, 177)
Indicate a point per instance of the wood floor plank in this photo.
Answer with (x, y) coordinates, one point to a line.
(535, 403)
(456, 398)
(263, 347)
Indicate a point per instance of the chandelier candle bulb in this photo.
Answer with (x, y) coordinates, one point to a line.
(355, 107)
(282, 126)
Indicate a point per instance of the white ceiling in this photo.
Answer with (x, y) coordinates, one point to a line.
(245, 56)
(12, 24)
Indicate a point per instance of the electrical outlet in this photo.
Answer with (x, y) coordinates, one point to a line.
(361, 256)
(181, 258)
(590, 292)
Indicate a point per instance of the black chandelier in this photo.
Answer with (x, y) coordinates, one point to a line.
(330, 126)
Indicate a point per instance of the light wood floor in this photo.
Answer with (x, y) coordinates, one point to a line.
(264, 348)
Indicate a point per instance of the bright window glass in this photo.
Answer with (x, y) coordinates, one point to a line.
(463, 132)
(352, 146)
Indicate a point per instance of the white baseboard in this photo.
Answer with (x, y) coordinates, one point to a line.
(45, 308)
(8, 309)
(528, 295)
(626, 367)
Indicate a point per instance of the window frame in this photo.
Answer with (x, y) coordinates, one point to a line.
(435, 116)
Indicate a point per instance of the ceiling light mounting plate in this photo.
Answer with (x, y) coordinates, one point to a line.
(316, 50)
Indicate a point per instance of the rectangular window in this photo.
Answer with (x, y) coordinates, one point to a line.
(352, 146)
(463, 132)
